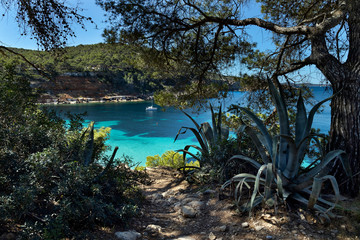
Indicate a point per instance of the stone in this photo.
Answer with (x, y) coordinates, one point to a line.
(198, 205)
(245, 224)
(177, 206)
(212, 236)
(188, 212)
(184, 238)
(153, 228)
(258, 228)
(269, 237)
(221, 228)
(168, 193)
(187, 200)
(128, 235)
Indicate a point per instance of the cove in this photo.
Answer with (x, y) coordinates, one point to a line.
(139, 133)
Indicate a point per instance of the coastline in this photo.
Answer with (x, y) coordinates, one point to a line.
(86, 100)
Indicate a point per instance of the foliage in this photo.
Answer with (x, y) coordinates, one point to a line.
(49, 22)
(52, 180)
(282, 157)
(169, 159)
(207, 136)
(212, 34)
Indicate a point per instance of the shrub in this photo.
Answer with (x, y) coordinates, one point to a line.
(56, 182)
(169, 159)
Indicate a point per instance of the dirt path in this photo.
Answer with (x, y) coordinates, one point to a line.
(174, 209)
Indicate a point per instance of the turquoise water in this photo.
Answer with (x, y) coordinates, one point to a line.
(139, 133)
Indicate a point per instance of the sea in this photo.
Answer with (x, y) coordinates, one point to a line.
(139, 133)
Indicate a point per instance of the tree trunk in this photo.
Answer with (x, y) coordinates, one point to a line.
(345, 108)
(345, 132)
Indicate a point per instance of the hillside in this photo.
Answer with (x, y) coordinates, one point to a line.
(89, 70)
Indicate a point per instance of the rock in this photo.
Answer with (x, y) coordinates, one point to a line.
(268, 237)
(129, 235)
(153, 228)
(258, 228)
(198, 205)
(212, 236)
(187, 200)
(245, 224)
(184, 238)
(168, 193)
(221, 228)
(177, 206)
(8, 236)
(188, 212)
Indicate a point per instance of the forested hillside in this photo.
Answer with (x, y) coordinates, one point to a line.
(110, 67)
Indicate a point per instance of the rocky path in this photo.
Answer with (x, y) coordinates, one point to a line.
(176, 210)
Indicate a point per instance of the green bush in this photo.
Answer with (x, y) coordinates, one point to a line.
(169, 159)
(53, 183)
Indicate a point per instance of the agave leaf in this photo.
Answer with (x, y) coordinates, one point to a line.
(262, 129)
(293, 164)
(247, 207)
(301, 120)
(198, 127)
(268, 181)
(305, 177)
(304, 202)
(315, 193)
(311, 117)
(257, 185)
(195, 123)
(256, 140)
(108, 165)
(208, 132)
(256, 164)
(281, 107)
(89, 146)
(239, 188)
(197, 135)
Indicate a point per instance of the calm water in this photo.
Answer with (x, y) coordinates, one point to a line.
(139, 133)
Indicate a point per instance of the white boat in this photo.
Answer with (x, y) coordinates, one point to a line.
(151, 108)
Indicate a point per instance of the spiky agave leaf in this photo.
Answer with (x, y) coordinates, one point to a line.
(257, 139)
(197, 134)
(316, 189)
(262, 128)
(304, 179)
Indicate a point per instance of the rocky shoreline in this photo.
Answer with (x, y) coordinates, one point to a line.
(67, 99)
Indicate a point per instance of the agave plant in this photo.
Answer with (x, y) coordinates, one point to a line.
(207, 136)
(280, 173)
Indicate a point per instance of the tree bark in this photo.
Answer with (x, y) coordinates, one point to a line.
(345, 106)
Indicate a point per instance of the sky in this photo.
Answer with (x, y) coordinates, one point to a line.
(10, 33)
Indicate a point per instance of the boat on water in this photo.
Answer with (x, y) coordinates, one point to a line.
(151, 108)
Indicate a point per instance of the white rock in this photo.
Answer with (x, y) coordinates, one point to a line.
(128, 235)
(212, 236)
(258, 228)
(245, 224)
(188, 212)
(184, 238)
(153, 228)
